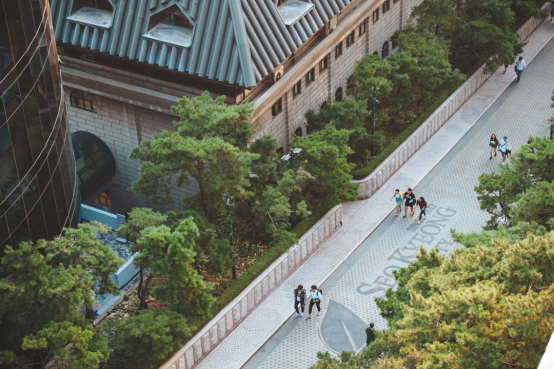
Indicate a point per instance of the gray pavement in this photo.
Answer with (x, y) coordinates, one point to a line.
(349, 293)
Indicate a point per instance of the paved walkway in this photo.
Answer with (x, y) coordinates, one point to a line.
(355, 275)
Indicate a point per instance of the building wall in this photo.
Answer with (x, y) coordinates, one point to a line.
(122, 121)
(123, 126)
(335, 76)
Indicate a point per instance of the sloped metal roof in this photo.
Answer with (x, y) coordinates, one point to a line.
(233, 41)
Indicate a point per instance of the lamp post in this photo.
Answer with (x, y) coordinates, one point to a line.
(374, 118)
(292, 154)
(230, 229)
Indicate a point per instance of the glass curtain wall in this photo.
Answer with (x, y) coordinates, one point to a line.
(38, 190)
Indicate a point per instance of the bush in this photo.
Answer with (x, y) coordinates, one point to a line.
(393, 145)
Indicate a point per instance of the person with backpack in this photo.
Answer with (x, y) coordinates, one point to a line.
(370, 334)
(398, 196)
(520, 67)
(493, 144)
(317, 295)
(409, 202)
(299, 299)
(505, 149)
(422, 206)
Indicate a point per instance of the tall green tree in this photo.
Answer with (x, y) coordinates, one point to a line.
(487, 306)
(479, 31)
(203, 117)
(521, 179)
(139, 220)
(46, 284)
(147, 339)
(325, 157)
(170, 254)
(172, 159)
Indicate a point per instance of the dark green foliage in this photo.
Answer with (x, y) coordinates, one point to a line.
(46, 284)
(521, 190)
(324, 155)
(146, 340)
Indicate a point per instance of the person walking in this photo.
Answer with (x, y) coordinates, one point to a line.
(409, 202)
(505, 149)
(316, 300)
(520, 67)
(493, 144)
(299, 299)
(551, 11)
(370, 334)
(422, 206)
(398, 197)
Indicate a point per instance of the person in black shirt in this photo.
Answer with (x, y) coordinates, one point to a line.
(299, 299)
(370, 334)
(409, 202)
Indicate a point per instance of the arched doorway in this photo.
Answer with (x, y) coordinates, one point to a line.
(385, 50)
(338, 94)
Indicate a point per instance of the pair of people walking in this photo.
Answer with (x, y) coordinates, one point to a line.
(300, 300)
(409, 202)
(503, 145)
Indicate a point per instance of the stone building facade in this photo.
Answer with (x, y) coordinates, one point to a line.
(283, 68)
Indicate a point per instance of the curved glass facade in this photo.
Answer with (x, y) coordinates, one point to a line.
(38, 188)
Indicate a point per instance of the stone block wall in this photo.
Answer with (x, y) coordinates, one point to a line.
(228, 318)
(328, 81)
(123, 126)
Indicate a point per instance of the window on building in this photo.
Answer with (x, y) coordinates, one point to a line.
(82, 100)
(280, 150)
(362, 28)
(276, 108)
(172, 16)
(297, 88)
(338, 94)
(307, 128)
(350, 39)
(385, 50)
(322, 64)
(375, 53)
(376, 16)
(298, 132)
(310, 76)
(386, 6)
(395, 1)
(323, 106)
(394, 44)
(338, 50)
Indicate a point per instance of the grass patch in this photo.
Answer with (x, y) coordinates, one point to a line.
(393, 145)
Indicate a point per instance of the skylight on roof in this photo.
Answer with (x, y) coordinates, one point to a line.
(170, 34)
(92, 17)
(292, 10)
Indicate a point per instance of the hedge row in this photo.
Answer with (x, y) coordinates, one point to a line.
(393, 145)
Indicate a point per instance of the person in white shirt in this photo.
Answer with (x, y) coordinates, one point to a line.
(520, 67)
(316, 300)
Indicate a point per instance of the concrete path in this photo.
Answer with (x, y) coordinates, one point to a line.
(356, 275)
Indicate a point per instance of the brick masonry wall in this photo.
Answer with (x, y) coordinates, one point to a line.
(123, 126)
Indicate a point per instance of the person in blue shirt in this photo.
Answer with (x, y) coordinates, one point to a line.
(505, 148)
(398, 197)
(520, 67)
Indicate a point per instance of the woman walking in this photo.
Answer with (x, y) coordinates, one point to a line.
(398, 196)
(422, 206)
(493, 144)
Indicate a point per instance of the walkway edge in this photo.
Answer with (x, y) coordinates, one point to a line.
(370, 184)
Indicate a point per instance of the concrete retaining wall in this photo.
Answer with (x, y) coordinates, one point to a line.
(370, 184)
(233, 314)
